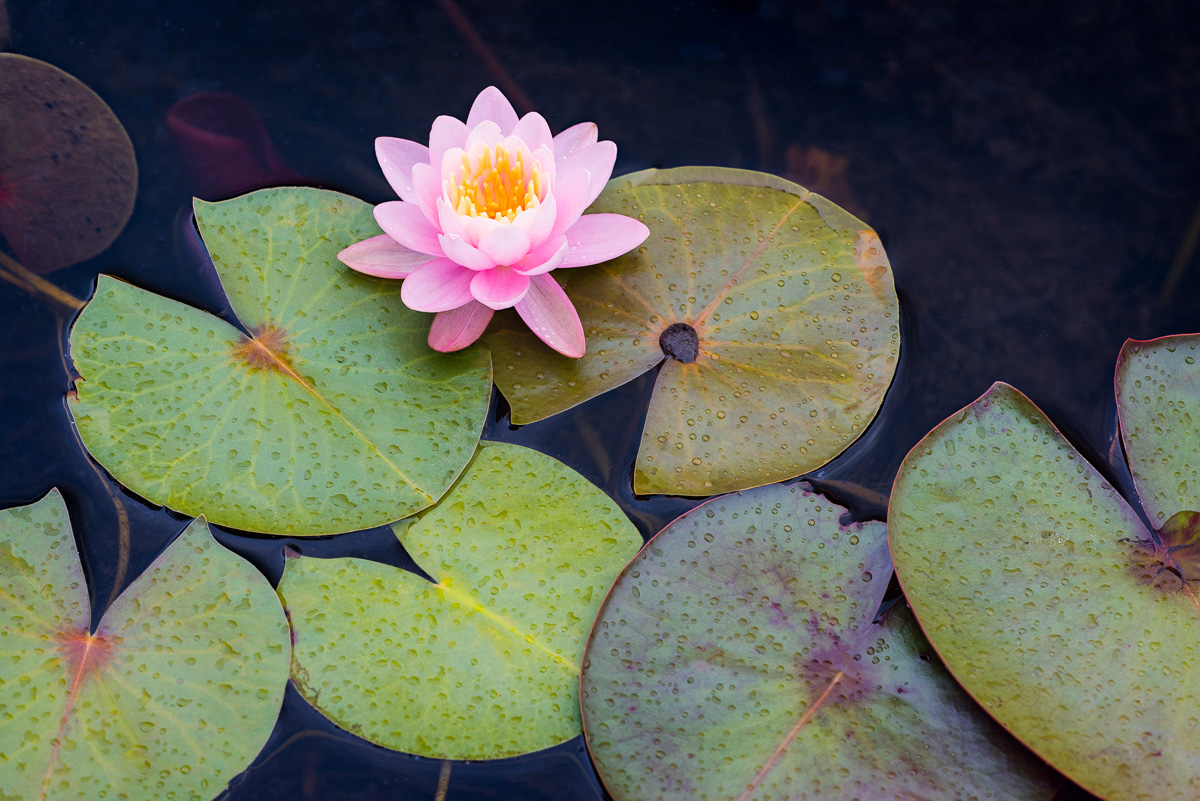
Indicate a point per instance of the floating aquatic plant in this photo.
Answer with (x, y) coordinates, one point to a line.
(487, 211)
(171, 696)
(68, 177)
(324, 413)
(482, 662)
(1053, 603)
(769, 313)
(737, 657)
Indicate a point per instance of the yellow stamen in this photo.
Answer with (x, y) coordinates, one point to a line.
(499, 185)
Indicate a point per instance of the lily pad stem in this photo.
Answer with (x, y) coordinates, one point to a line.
(16, 273)
(443, 780)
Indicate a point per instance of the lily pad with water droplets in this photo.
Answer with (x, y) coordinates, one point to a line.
(483, 662)
(68, 177)
(1049, 599)
(736, 658)
(333, 415)
(1158, 398)
(771, 311)
(171, 697)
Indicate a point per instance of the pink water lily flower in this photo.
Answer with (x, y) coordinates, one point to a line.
(486, 211)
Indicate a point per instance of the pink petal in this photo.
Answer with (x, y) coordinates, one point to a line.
(570, 195)
(507, 244)
(491, 104)
(498, 288)
(575, 138)
(548, 312)
(382, 256)
(540, 254)
(544, 156)
(397, 157)
(600, 237)
(455, 329)
(463, 252)
(449, 221)
(598, 160)
(545, 258)
(428, 188)
(479, 227)
(406, 223)
(486, 132)
(538, 222)
(450, 167)
(445, 134)
(534, 131)
(437, 286)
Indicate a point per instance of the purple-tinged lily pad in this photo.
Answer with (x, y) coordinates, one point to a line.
(771, 311)
(171, 696)
(482, 663)
(68, 177)
(736, 658)
(1158, 398)
(1049, 599)
(332, 415)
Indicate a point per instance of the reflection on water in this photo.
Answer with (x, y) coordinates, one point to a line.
(1032, 171)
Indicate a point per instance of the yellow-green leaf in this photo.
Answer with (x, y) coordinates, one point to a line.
(483, 662)
(171, 696)
(333, 415)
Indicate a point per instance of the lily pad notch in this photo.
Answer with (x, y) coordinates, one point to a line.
(769, 312)
(333, 415)
(174, 693)
(1046, 594)
(483, 662)
(737, 657)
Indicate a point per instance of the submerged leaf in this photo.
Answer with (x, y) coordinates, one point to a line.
(736, 658)
(172, 695)
(1049, 599)
(68, 177)
(484, 662)
(333, 416)
(773, 308)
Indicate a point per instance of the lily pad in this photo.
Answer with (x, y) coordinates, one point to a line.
(737, 657)
(68, 177)
(171, 696)
(1049, 599)
(771, 311)
(1158, 398)
(332, 415)
(482, 662)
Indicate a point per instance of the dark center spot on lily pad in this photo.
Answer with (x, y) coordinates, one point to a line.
(680, 342)
(266, 349)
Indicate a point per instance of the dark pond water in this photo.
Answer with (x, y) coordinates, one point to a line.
(1032, 168)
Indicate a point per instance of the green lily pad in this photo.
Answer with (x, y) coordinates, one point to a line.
(1158, 398)
(736, 657)
(484, 663)
(171, 697)
(779, 309)
(1049, 600)
(333, 416)
(68, 177)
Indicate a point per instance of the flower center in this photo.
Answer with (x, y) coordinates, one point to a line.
(500, 184)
